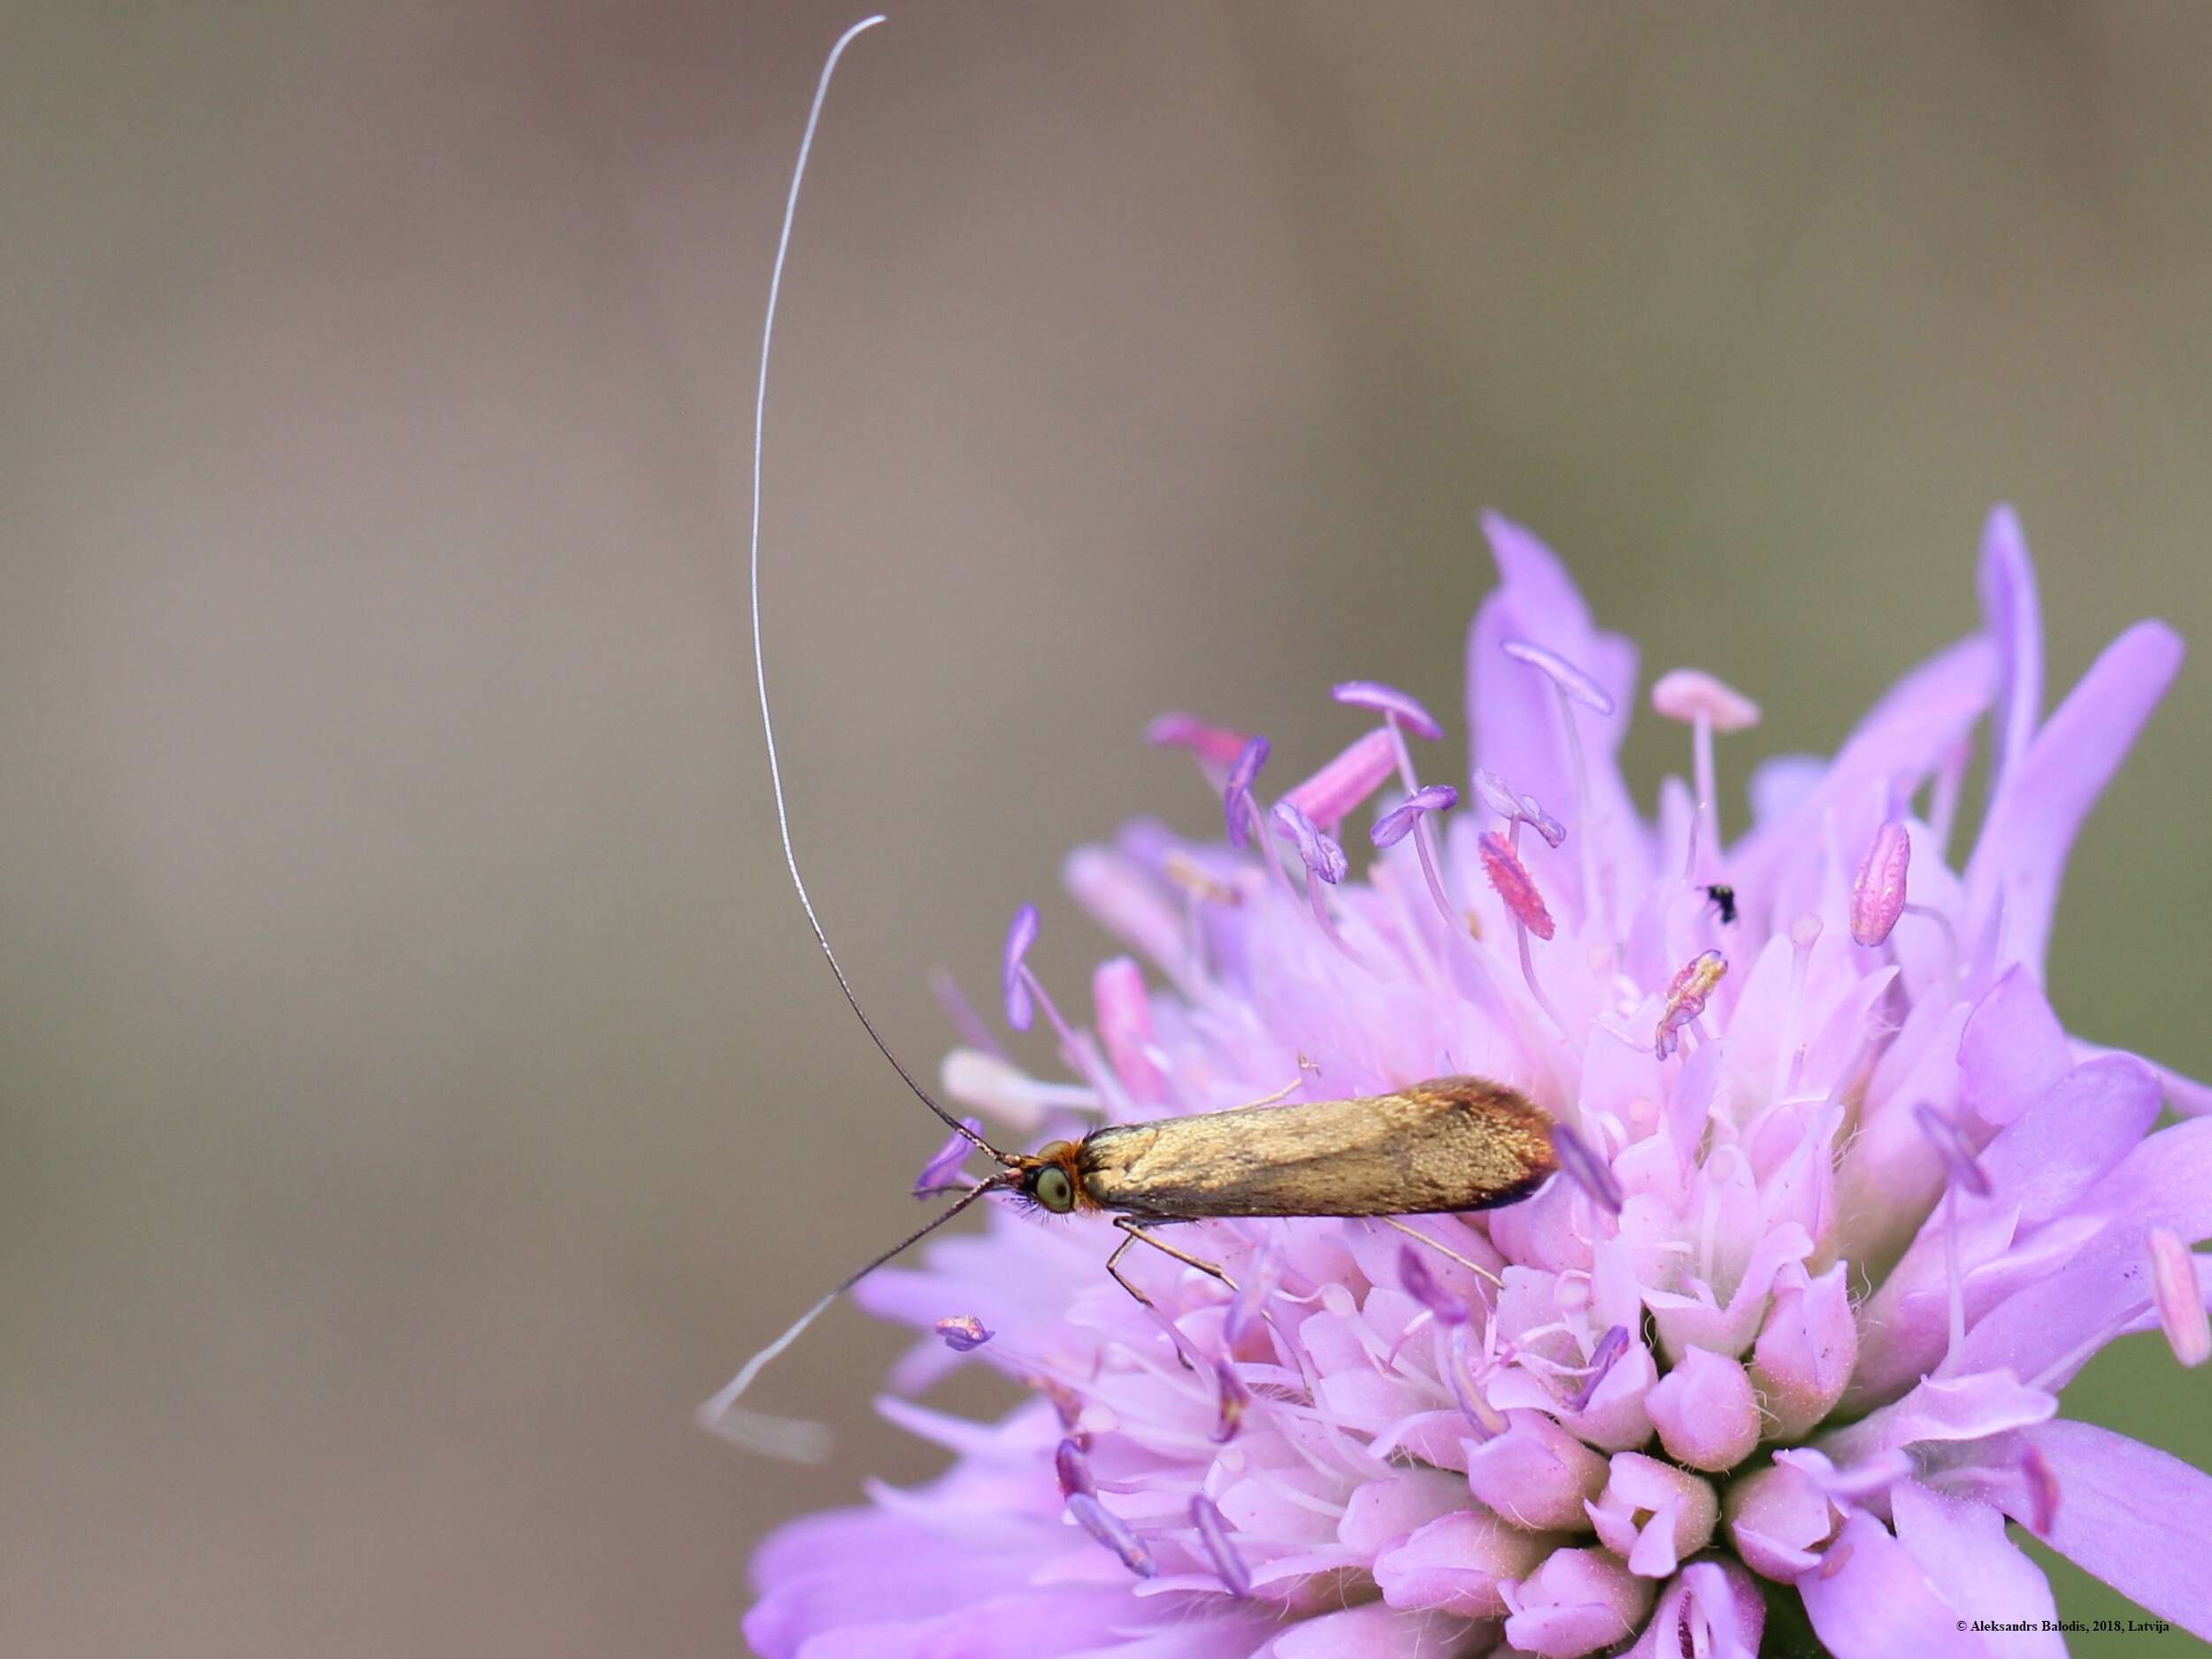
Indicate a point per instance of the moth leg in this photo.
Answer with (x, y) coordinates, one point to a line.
(1441, 1248)
(1136, 1232)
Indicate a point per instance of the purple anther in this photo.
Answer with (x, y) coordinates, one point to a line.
(1513, 884)
(963, 1332)
(1690, 695)
(1516, 808)
(1074, 1470)
(947, 1158)
(1944, 1135)
(1585, 1169)
(1838, 1557)
(1261, 1276)
(1417, 1282)
(1611, 1346)
(1021, 1008)
(1570, 679)
(1330, 795)
(1395, 825)
(1111, 1531)
(1878, 898)
(1234, 1398)
(2042, 1484)
(2174, 1291)
(1236, 790)
(1215, 743)
(1369, 694)
(1321, 856)
(1213, 1532)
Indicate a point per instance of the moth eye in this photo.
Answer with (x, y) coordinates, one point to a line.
(1055, 1191)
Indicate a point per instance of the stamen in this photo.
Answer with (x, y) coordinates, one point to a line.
(2180, 1302)
(1513, 884)
(1692, 695)
(2042, 1486)
(1237, 805)
(1686, 992)
(947, 1158)
(961, 1012)
(1878, 897)
(1789, 1054)
(1020, 1008)
(1111, 1531)
(1074, 1470)
(1474, 1404)
(1324, 863)
(1262, 1277)
(1572, 681)
(1501, 798)
(1213, 1532)
(963, 1332)
(1585, 1169)
(1215, 743)
(1611, 1346)
(1368, 693)
(1944, 1135)
(1332, 793)
(1417, 1282)
(1235, 1400)
(1392, 827)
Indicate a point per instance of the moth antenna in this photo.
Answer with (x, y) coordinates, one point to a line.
(760, 662)
(792, 1438)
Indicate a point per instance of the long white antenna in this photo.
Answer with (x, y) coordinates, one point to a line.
(760, 662)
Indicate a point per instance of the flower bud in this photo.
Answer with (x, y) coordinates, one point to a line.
(1577, 1602)
(1536, 1473)
(1806, 1349)
(1457, 1562)
(1779, 1521)
(1705, 1413)
(1652, 1514)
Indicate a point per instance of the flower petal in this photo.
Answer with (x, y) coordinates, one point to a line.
(1960, 1545)
(1871, 1599)
(2133, 1515)
(2014, 619)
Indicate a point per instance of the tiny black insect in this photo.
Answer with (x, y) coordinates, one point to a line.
(1724, 898)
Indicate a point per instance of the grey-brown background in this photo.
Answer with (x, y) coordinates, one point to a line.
(418, 1086)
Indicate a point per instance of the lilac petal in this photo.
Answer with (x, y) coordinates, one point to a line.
(1111, 1531)
(1368, 693)
(1942, 1410)
(1878, 897)
(1074, 1470)
(947, 1158)
(2015, 619)
(1457, 1563)
(1562, 673)
(2041, 802)
(1513, 884)
(963, 1332)
(1215, 743)
(1707, 1415)
(1395, 825)
(1321, 856)
(1374, 1632)
(1960, 1545)
(1213, 1532)
(1585, 1169)
(1020, 1006)
(2013, 1050)
(1879, 1604)
(1537, 1473)
(1125, 1026)
(1333, 792)
(2135, 1516)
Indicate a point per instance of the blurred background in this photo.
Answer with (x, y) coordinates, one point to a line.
(417, 1086)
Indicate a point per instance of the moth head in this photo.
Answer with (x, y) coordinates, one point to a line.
(1049, 1177)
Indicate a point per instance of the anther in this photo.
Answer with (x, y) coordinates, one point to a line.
(1957, 1156)
(1611, 1346)
(1235, 1401)
(963, 1332)
(1417, 1282)
(1586, 1169)
(1878, 897)
(2175, 1292)
(1509, 803)
(1213, 1532)
(1074, 1470)
(1687, 991)
(1239, 809)
(1707, 706)
(947, 1158)
(1368, 693)
(1332, 793)
(2042, 1484)
(1111, 1531)
(1514, 885)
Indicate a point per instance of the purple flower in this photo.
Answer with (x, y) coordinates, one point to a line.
(1593, 1420)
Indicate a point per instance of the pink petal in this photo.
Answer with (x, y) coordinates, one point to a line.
(2135, 1516)
(2015, 619)
(1370, 1633)
(1456, 1563)
(1880, 1602)
(1960, 1545)
(2041, 801)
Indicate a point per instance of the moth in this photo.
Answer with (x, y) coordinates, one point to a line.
(1448, 1144)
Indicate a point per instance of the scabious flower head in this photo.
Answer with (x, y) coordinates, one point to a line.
(1841, 1207)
